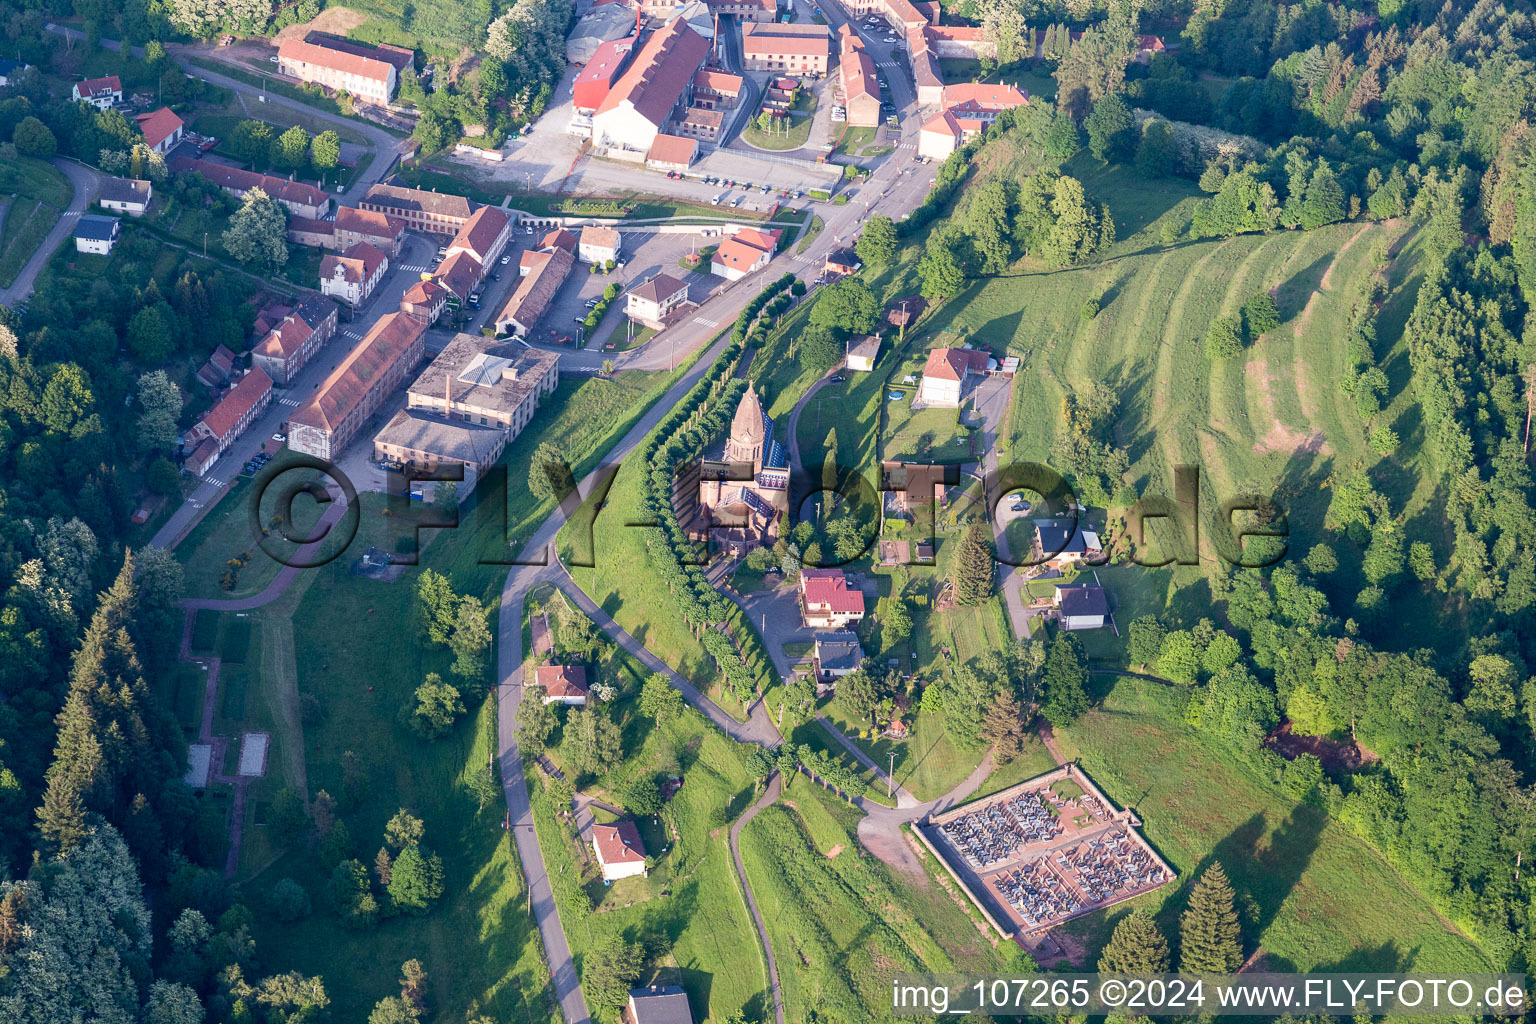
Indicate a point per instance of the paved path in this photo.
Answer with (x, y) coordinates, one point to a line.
(85, 183)
(904, 799)
(770, 795)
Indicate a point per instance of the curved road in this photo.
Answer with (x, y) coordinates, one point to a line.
(84, 180)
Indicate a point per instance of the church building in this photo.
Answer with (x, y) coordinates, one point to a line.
(743, 489)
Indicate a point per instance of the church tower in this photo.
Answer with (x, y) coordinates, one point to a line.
(751, 432)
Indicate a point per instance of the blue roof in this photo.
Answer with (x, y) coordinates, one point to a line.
(777, 457)
(96, 227)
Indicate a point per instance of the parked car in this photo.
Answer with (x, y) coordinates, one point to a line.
(279, 437)
(506, 259)
(837, 378)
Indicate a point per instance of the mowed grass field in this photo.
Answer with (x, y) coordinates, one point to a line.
(691, 912)
(1322, 900)
(839, 922)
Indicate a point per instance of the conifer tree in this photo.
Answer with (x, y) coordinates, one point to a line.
(1136, 947)
(973, 576)
(1210, 938)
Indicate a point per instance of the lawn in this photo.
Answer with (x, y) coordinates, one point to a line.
(1322, 899)
(840, 922)
(27, 223)
(691, 909)
(795, 136)
(36, 179)
(808, 234)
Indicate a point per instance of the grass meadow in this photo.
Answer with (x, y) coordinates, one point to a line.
(1318, 898)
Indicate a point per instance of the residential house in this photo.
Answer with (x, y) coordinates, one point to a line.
(836, 654)
(598, 245)
(946, 373)
(1061, 543)
(101, 93)
(202, 457)
(672, 153)
(860, 353)
(383, 232)
(716, 89)
(317, 234)
(619, 850)
(746, 10)
(700, 123)
(235, 410)
(558, 239)
(1081, 606)
(843, 261)
(297, 198)
(162, 129)
(563, 684)
(484, 236)
(655, 300)
(734, 260)
(861, 87)
(290, 343)
(767, 241)
(542, 278)
(961, 42)
(917, 487)
(357, 387)
(218, 369)
(368, 78)
(803, 49)
(659, 1004)
(440, 213)
(125, 195)
(425, 300)
(96, 234)
(352, 276)
(9, 69)
(826, 600)
(657, 84)
(966, 109)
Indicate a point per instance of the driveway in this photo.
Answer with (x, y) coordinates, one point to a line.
(86, 183)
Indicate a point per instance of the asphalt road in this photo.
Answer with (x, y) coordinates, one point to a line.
(418, 251)
(85, 182)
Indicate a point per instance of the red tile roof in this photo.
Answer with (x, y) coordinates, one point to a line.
(459, 274)
(618, 843)
(660, 73)
(559, 237)
(767, 241)
(983, 96)
(390, 337)
(358, 263)
(828, 589)
(858, 70)
(239, 400)
(424, 293)
(672, 149)
(158, 125)
(286, 338)
(336, 60)
(479, 233)
(399, 56)
(735, 255)
(953, 363)
(238, 180)
(562, 680)
(368, 222)
(600, 237)
(717, 82)
(99, 86)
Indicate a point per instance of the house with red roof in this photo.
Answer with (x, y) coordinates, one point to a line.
(236, 410)
(288, 344)
(358, 386)
(596, 81)
(352, 276)
(619, 850)
(380, 230)
(735, 260)
(483, 236)
(562, 684)
(671, 153)
(101, 93)
(945, 375)
(162, 129)
(425, 300)
(826, 599)
(861, 88)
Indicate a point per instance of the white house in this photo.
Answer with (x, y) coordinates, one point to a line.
(652, 302)
(96, 234)
(162, 129)
(945, 373)
(734, 260)
(598, 245)
(1081, 606)
(101, 93)
(861, 353)
(562, 684)
(125, 195)
(352, 276)
(619, 850)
